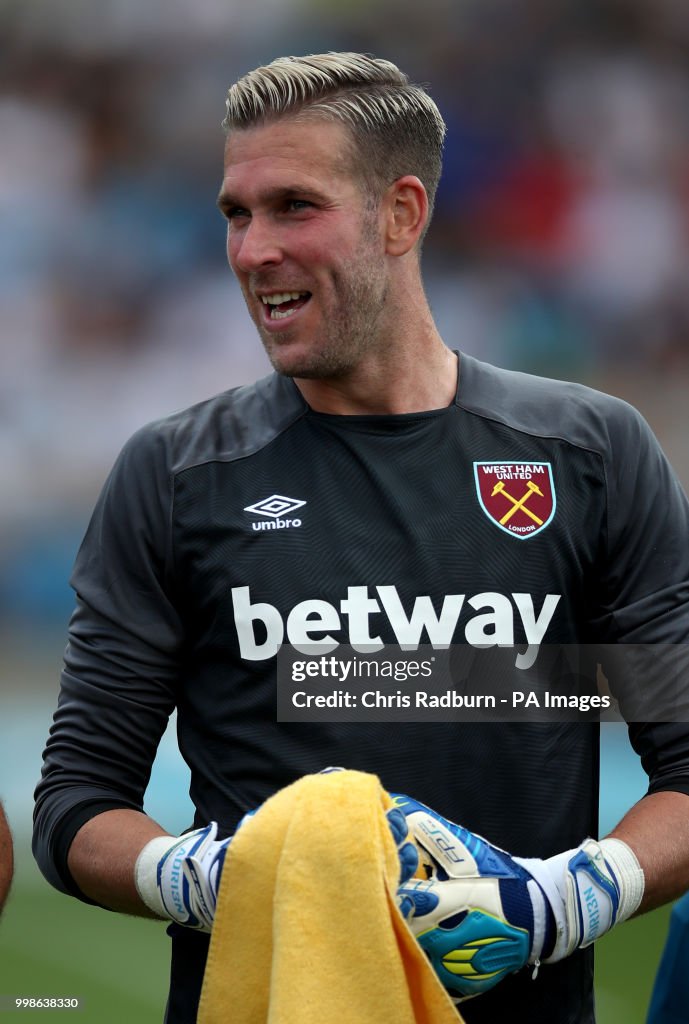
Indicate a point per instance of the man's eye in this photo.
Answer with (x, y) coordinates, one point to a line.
(235, 213)
(298, 204)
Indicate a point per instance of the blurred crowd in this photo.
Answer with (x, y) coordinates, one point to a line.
(560, 243)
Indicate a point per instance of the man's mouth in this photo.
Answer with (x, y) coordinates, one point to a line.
(284, 304)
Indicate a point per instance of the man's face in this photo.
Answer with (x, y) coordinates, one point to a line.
(306, 250)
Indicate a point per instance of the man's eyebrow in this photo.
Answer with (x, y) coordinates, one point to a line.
(225, 201)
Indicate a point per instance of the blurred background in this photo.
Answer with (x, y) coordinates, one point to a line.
(560, 246)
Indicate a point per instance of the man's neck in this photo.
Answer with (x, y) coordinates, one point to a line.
(412, 381)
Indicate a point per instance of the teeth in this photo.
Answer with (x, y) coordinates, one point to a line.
(279, 297)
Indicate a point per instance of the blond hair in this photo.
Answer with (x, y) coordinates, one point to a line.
(396, 127)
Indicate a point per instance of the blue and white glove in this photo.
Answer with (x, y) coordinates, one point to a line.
(406, 851)
(179, 877)
(483, 914)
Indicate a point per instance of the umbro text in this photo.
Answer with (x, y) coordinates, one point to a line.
(275, 524)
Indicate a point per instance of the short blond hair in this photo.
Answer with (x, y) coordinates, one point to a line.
(396, 127)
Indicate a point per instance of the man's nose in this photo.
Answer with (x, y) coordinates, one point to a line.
(257, 247)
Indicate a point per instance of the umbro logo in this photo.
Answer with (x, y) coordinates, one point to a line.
(275, 507)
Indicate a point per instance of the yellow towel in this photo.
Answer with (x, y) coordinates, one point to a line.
(307, 930)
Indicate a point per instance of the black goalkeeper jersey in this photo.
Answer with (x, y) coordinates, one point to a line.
(529, 511)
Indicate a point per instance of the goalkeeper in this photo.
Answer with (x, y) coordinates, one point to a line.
(377, 488)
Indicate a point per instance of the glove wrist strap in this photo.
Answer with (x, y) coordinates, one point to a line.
(623, 862)
(146, 872)
(590, 889)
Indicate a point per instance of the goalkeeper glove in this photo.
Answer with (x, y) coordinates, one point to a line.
(406, 851)
(483, 914)
(179, 877)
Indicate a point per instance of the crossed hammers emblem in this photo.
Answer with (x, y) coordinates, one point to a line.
(518, 503)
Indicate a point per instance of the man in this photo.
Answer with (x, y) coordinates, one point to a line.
(6, 858)
(381, 437)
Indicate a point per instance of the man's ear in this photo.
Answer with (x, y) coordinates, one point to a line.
(406, 214)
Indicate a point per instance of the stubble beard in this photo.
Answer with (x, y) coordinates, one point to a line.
(351, 328)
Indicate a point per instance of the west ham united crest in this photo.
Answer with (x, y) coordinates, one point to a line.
(519, 497)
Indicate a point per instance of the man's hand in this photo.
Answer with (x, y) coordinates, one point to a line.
(178, 878)
(484, 914)
(474, 916)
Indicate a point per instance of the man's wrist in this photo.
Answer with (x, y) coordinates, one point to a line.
(629, 874)
(589, 889)
(178, 877)
(146, 877)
